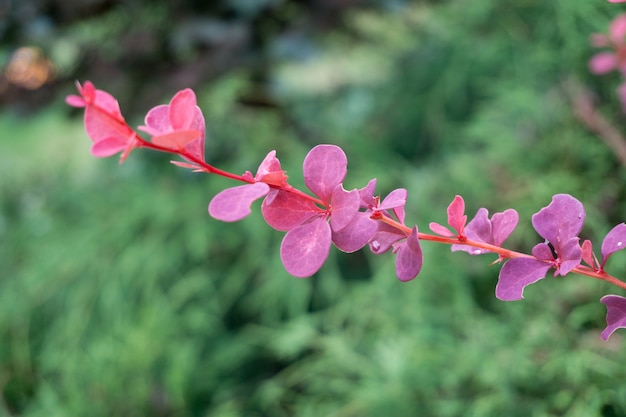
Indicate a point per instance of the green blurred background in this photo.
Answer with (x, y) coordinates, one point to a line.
(120, 296)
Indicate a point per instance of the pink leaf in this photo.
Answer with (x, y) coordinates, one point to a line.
(181, 115)
(456, 215)
(270, 172)
(157, 121)
(324, 167)
(440, 230)
(615, 314)
(503, 225)
(269, 164)
(478, 229)
(617, 30)
(345, 205)
(367, 194)
(384, 238)
(305, 248)
(395, 202)
(357, 234)
(542, 252)
(177, 139)
(182, 109)
(493, 232)
(283, 210)
(559, 223)
(100, 125)
(409, 258)
(516, 274)
(109, 146)
(614, 241)
(396, 198)
(233, 204)
(587, 254)
(570, 255)
(603, 63)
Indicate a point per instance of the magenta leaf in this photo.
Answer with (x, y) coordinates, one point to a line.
(395, 202)
(324, 167)
(356, 234)
(615, 314)
(503, 225)
(233, 204)
(409, 258)
(493, 232)
(440, 229)
(283, 210)
(384, 238)
(456, 215)
(560, 223)
(614, 240)
(542, 252)
(345, 205)
(561, 220)
(305, 248)
(516, 274)
(366, 194)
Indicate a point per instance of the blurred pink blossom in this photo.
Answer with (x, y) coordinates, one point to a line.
(615, 59)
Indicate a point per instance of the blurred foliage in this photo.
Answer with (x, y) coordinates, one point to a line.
(119, 296)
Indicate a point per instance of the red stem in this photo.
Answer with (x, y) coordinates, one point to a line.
(380, 216)
(502, 252)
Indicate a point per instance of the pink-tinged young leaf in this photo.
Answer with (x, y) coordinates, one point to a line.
(384, 238)
(194, 167)
(182, 110)
(305, 248)
(181, 115)
(345, 205)
(440, 230)
(617, 29)
(356, 234)
(614, 241)
(503, 225)
(409, 258)
(108, 146)
(603, 63)
(516, 274)
(395, 201)
(456, 215)
(588, 256)
(478, 229)
(177, 139)
(366, 194)
(270, 171)
(324, 167)
(615, 314)
(233, 204)
(157, 121)
(396, 198)
(283, 210)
